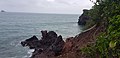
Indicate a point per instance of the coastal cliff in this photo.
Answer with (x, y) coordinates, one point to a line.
(52, 45)
(84, 17)
(102, 40)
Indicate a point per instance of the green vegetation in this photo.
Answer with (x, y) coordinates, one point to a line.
(107, 45)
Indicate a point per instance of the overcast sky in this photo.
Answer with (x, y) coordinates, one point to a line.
(46, 6)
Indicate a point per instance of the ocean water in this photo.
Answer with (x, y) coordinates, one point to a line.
(16, 27)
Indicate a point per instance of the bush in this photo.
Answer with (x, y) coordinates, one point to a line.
(108, 43)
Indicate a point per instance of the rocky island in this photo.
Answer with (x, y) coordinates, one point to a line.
(2, 11)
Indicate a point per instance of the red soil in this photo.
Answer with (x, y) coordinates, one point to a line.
(73, 44)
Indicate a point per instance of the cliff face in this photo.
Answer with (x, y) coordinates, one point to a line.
(83, 18)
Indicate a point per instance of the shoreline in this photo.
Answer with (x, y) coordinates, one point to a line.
(70, 46)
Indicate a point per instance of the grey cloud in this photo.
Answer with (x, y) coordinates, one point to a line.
(44, 6)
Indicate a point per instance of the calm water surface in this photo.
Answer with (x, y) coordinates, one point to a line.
(15, 27)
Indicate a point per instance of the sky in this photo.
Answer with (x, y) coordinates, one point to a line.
(46, 6)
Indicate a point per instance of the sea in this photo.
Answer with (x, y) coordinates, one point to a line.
(16, 27)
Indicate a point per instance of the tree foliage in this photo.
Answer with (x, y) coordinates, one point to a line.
(108, 43)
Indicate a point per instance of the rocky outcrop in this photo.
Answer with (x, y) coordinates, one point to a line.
(49, 45)
(52, 46)
(83, 18)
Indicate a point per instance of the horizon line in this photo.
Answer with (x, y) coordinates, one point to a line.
(42, 12)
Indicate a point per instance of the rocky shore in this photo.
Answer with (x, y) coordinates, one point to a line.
(52, 46)
(99, 41)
